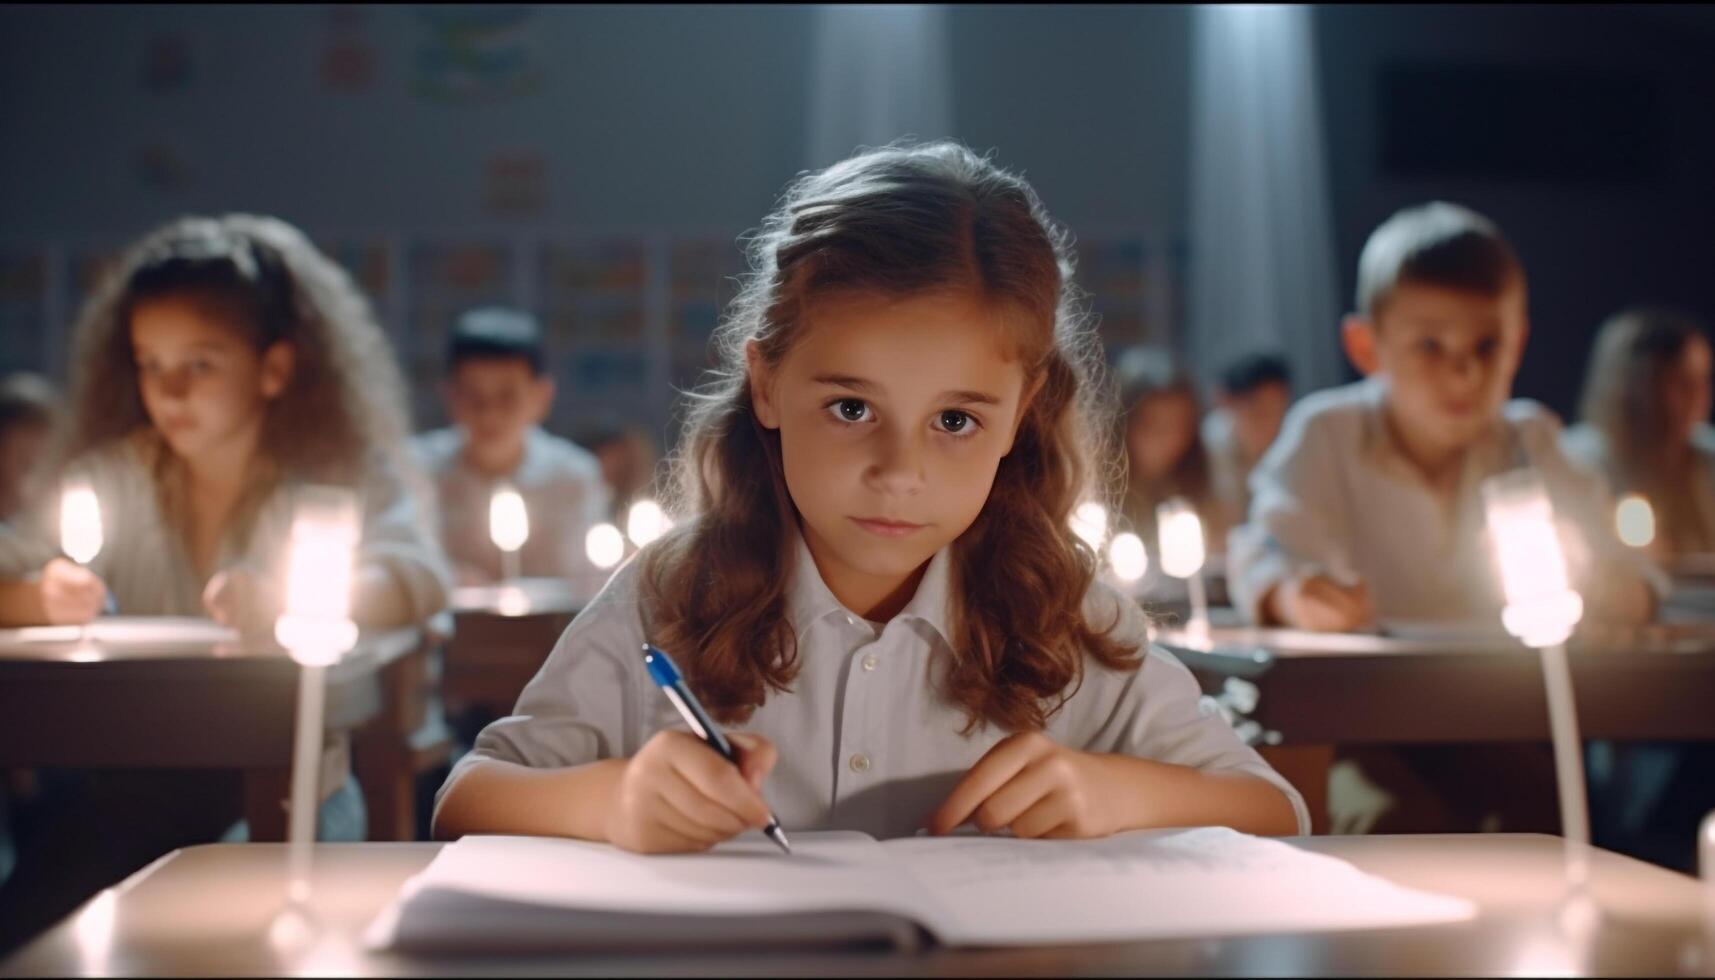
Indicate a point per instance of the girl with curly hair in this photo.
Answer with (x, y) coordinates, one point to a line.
(223, 364)
(879, 577)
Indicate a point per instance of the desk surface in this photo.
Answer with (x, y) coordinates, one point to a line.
(141, 692)
(206, 910)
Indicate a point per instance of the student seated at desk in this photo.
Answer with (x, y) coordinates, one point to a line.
(882, 582)
(1165, 457)
(1251, 400)
(1368, 507)
(498, 393)
(224, 363)
(29, 410)
(1646, 396)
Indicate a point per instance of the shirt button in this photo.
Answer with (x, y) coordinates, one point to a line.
(870, 660)
(860, 763)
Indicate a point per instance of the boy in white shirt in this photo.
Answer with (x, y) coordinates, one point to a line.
(497, 393)
(1367, 508)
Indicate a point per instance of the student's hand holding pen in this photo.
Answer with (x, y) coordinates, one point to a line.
(677, 795)
(1319, 602)
(71, 594)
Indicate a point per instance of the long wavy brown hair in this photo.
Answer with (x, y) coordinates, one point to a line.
(899, 221)
(1635, 352)
(343, 408)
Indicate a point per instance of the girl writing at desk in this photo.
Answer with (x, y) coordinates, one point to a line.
(224, 362)
(880, 579)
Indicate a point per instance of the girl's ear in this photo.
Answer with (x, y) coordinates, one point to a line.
(278, 362)
(1024, 402)
(761, 395)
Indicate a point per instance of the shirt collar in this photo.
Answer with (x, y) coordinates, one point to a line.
(809, 600)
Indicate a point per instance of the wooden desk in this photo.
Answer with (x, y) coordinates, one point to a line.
(1319, 690)
(159, 692)
(501, 636)
(206, 910)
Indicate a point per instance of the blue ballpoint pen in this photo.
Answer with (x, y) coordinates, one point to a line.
(665, 673)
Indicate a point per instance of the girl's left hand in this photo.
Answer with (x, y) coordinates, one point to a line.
(238, 598)
(1033, 785)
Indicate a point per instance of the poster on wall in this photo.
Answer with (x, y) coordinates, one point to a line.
(446, 278)
(348, 61)
(477, 53)
(1113, 270)
(594, 310)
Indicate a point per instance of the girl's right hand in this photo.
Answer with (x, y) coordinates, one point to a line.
(677, 794)
(71, 593)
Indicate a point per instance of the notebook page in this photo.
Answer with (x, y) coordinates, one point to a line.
(1158, 884)
(745, 879)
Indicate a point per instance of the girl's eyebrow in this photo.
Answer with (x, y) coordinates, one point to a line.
(869, 387)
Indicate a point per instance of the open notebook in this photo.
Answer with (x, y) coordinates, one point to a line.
(501, 894)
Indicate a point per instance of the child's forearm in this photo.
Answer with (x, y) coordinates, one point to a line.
(380, 599)
(495, 797)
(21, 603)
(1159, 794)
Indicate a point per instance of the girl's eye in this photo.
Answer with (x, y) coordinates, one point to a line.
(851, 410)
(955, 422)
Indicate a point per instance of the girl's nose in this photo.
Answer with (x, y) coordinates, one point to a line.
(176, 383)
(898, 469)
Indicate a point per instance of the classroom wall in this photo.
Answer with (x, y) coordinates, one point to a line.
(671, 119)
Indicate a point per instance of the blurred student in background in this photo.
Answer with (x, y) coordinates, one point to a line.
(222, 365)
(1165, 455)
(29, 410)
(1645, 397)
(498, 392)
(1368, 508)
(1250, 403)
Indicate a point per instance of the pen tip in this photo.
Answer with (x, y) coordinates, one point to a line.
(779, 837)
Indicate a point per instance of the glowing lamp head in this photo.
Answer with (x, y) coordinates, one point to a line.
(80, 523)
(604, 545)
(1181, 538)
(1127, 557)
(1541, 606)
(645, 522)
(508, 521)
(1635, 521)
(316, 626)
(1090, 522)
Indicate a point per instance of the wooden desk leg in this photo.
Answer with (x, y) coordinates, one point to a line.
(266, 792)
(1306, 768)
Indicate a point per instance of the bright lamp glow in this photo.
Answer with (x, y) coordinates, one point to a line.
(1181, 536)
(508, 521)
(1127, 557)
(316, 627)
(604, 545)
(1635, 521)
(1541, 607)
(645, 522)
(1090, 522)
(80, 523)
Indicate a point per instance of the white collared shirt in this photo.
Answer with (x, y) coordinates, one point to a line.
(865, 743)
(1334, 495)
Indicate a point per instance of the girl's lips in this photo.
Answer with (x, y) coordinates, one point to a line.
(887, 529)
